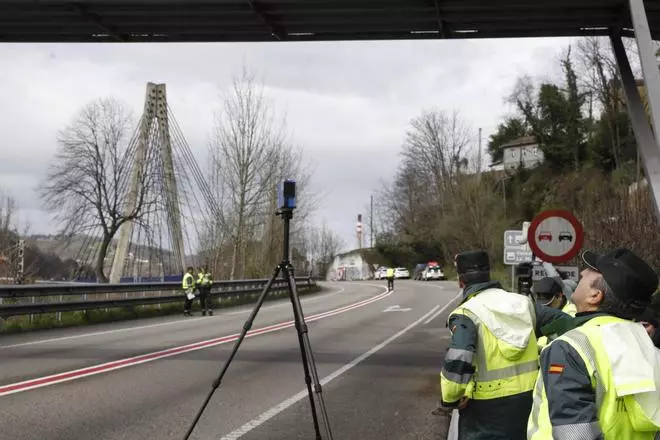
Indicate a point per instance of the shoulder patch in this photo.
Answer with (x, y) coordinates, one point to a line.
(453, 328)
(556, 369)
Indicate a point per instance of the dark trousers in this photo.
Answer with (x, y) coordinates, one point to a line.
(187, 305)
(390, 283)
(205, 297)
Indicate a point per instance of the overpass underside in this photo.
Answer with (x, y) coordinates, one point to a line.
(333, 20)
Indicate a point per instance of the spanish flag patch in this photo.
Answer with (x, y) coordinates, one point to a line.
(556, 369)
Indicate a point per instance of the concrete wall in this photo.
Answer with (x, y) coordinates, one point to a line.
(348, 267)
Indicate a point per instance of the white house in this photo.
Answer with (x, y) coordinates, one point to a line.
(349, 266)
(524, 151)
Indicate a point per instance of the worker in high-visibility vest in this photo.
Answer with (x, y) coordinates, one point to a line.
(389, 275)
(600, 379)
(549, 291)
(188, 286)
(492, 362)
(204, 282)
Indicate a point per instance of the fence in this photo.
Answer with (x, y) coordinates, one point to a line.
(56, 298)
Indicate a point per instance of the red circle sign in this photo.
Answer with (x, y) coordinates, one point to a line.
(555, 236)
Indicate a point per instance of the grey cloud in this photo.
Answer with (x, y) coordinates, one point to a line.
(347, 104)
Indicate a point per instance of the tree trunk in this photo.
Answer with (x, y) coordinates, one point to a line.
(100, 258)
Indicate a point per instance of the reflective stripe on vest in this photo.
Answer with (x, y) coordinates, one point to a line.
(188, 281)
(506, 364)
(615, 414)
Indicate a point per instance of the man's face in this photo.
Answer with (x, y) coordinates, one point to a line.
(650, 329)
(584, 294)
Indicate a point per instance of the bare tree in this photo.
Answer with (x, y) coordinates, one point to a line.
(436, 147)
(88, 181)
(324, 245)
(250, 154)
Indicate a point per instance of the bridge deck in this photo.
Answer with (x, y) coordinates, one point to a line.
(308, 20)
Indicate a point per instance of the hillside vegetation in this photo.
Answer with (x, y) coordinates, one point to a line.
(438, 204)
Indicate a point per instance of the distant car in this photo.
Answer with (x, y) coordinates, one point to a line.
(380, 273)
(545, 236)
(433, 273)
(401, 272)
(565, 236)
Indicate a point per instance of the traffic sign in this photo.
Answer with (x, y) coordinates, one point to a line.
(570, 272)
(514, 252)
(555, 236)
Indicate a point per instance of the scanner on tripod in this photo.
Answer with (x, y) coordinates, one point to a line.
(286, 203)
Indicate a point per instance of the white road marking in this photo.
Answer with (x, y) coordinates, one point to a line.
(396, 308)
(142, 327)
(439, 312)
(272, 412)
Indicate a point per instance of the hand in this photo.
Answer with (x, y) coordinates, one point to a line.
(463, 402)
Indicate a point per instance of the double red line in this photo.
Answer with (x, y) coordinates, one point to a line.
(149, 357)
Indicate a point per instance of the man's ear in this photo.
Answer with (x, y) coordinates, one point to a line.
(595, 297)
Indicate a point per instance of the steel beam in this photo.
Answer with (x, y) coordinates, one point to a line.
(646, 141)
(274, 32)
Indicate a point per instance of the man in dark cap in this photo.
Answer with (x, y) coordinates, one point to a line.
(650, 322)
(601, 379)
(492, 362)
(549, 291)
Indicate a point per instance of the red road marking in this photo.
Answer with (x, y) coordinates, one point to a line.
(136, 360)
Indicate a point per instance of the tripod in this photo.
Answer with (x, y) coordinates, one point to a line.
(286, 269)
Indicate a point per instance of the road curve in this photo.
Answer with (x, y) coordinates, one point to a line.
(377, 354)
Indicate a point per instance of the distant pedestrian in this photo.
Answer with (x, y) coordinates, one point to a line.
(390, 278)
(188, 285)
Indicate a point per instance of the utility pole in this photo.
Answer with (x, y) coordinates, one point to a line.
(371, 222)
(479, 158)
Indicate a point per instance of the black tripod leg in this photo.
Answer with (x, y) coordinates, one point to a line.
(246, 327)
(307, 357)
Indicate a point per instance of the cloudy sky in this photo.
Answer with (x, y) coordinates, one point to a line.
(347, 104)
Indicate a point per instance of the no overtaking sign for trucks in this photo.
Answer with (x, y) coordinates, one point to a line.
(555, 236)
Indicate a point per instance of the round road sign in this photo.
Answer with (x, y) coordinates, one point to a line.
(555, 236)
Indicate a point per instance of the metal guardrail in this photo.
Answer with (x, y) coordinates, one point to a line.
(74, 297)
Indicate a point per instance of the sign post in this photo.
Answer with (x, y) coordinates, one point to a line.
(514, 252)
(555, 236)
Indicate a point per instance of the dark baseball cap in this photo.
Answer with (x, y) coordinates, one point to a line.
(631, 279)
(472, 261)
(547, 287)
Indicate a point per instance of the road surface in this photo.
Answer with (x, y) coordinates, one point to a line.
(377, 353)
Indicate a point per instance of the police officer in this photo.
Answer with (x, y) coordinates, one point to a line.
(549, 291)
(492, 362)
(651, 325)
(188, 286)
(601, 379)
(390, 278)
(205, 282)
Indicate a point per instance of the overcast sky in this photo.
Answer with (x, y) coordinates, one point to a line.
(347, 104)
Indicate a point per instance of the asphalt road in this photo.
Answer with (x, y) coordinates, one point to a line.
(378, 356)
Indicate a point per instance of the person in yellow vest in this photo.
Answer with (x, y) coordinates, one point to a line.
(389, 275)
(205, 281)
(549, 291)
(492, 362)
(600, 379)
(188, 286)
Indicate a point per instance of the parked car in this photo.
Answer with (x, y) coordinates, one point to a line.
(433, 273)
(401, 272)
(380, 273)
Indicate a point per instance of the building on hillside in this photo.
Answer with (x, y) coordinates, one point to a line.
(349, 266)
(522, 152)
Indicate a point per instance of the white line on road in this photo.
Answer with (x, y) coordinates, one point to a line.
(439, 312)
(142, 327)
(305, 301)
(272, 412)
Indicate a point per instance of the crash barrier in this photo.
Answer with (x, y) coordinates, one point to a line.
(54, 298)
